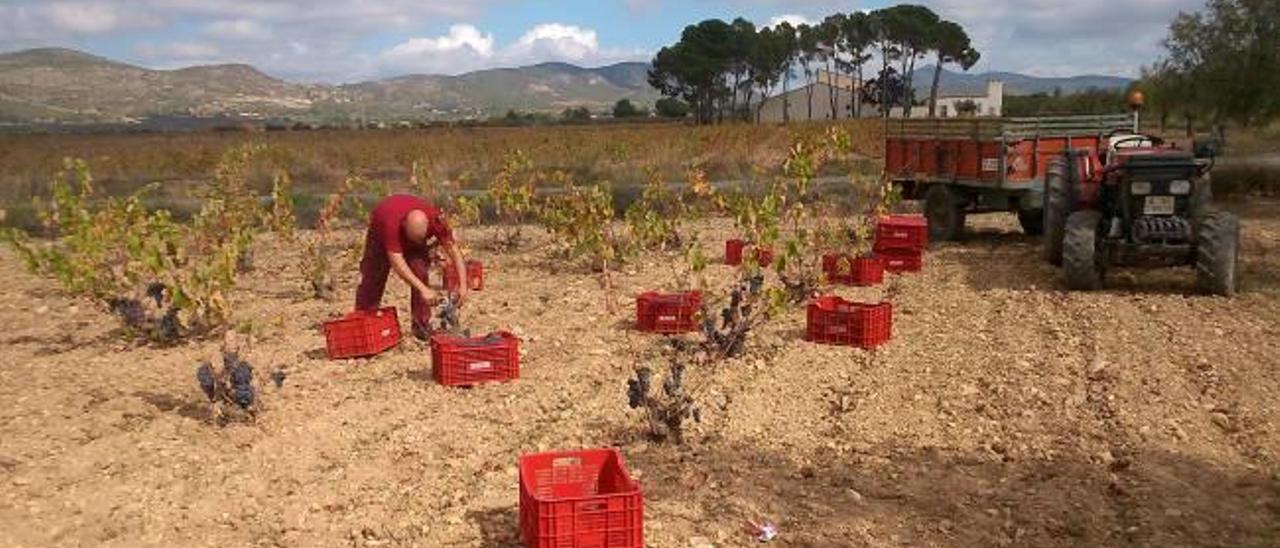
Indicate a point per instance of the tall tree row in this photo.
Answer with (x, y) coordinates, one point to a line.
(728, 70)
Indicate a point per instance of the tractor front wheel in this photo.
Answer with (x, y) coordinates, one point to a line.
(944, 209)
(1057, 205)
(1218, 253)
(1081, 259)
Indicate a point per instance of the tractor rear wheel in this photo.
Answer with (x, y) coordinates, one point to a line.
(1081, 258)
(944, 209)
(1218, 253)
(1057, 205)
(1032, 221)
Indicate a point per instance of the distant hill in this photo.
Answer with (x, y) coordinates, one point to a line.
(548, 86)
(63, 85)
(68, 85)
(1014, 83)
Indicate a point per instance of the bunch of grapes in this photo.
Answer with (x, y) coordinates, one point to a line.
(158, 292)
(231, 385)
(668, 411)
(130, 311)
(448, 315)
(169, 328)
(729, 338)
(638, 388)
(204, 376)
(242, 391)
(140, 316)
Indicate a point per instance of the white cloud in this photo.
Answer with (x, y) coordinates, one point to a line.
(794, 19)
(554, 41)
(466, 48)
(237, 29)
(460, 37)
(94, 17)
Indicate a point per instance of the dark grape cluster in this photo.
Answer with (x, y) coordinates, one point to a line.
(729, 338)
(242, 391)
(448, 315)
(169, 328)
(130, 311)
(157, 292)
(204, 376)
(638, 388)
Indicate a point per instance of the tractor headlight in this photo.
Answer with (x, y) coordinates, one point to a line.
(1140, 188)
(1180, 187)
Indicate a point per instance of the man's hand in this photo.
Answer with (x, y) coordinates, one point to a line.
(401, 268)
(460, 267)
(431, 296)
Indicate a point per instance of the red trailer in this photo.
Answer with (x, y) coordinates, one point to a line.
(960, 166)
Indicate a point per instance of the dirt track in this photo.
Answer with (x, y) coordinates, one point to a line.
(1005, 413)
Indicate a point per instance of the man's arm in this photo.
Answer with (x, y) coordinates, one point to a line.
(401, 268)
(459, 266)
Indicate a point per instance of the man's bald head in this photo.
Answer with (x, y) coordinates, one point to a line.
(416, 226)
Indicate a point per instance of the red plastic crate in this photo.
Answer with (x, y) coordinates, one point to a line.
(669, 313)
(362, 333)
(902, 260)
(463, 361)
(580, 499)
(902, 232)
(733, 251)
(475, 275)
(832, 320)
(863, 271)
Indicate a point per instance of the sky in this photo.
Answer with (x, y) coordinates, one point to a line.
(338, 41)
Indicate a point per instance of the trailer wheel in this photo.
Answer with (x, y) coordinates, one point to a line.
(1081, 261)
(1218, 253)
(1057, 205)
(1032, 221)
(945, 212)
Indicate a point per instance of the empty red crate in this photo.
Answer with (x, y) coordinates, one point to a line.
(849, 270)
(832, 320)
(463, 361)
(580, 499)
(362, 333)
(733, 251)
(668, 313)
(902, 260)
(902, 232)
(475, 275)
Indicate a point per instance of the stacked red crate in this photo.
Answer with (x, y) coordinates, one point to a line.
(845, 269)
(900, 241)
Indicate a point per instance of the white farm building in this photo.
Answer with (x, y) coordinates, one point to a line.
(815, 101)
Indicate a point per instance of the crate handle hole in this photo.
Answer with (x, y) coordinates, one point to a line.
(566, 461)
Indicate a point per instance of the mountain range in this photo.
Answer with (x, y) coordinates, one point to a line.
(55, 85)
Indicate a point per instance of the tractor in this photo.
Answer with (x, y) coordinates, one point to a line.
(1142, 203)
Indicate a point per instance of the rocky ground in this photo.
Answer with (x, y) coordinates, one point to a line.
(1005, 412)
